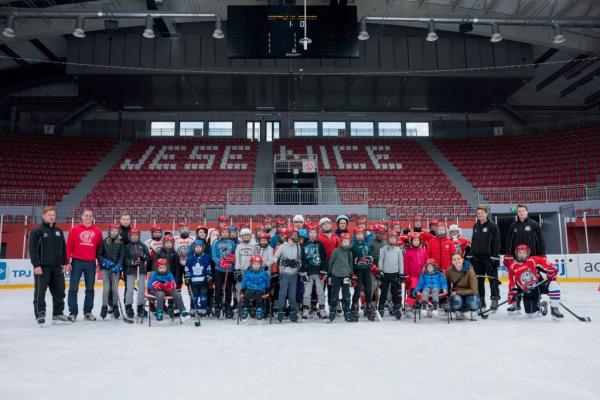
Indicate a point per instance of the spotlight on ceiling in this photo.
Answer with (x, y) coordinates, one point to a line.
(431, 35)
(559, 38)
(496, 35)
(363, 34)
(9, 29)
(149, 31)
(218, 32)
(78, 32)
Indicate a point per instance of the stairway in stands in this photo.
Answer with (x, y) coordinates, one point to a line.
(263, 174)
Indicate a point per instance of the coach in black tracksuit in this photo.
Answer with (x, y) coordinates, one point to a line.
(525, 231)
(485, 255)
(48, 254)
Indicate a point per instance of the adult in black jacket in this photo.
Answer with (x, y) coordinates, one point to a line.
(525, 231)
(48, 254)
(136, 257)
(485, 256)
(124, 228)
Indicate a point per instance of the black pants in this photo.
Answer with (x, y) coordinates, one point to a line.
(253, 295)
(485, 266)
(531, 299)
(364, 283)
(389, 282)
(52, 278)
(228, 279)
(337, 283)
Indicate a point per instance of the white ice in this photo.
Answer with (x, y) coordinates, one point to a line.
(500, 358)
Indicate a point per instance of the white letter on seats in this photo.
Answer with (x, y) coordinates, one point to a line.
(128, 165)
(162, 155)
(195, 155)
(228, 155)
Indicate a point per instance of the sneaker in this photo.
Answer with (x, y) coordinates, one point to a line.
(41, 317)
(72, 317)
(555, 312)
(104, 312)
(60, 318)
(460, 316)
(89, 317)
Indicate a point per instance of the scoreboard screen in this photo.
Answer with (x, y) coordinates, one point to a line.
(276, 31)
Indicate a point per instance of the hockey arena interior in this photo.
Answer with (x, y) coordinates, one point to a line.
(299, 199)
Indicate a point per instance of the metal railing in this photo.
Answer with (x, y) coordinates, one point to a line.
(27, 128)
(194, 214)
(294, 162)
(544, 194)
(22, 197)
(296, 196)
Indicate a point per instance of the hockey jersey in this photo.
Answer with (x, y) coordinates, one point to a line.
(197, 268)
(182, 247)
(524, 275)
(221, 249)
(460, 246)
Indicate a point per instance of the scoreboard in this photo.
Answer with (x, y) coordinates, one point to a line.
(276, 31)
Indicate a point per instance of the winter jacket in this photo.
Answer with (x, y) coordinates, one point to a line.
(289, 257)
(376, 246)
(259, 281)
(161, 278)
(391, 259)
(132, 252)
(340, 263)
(414, 259)
(47, 246)
(220, 249)
(527, 232)
(84, 243)
(198, 268)
(330, 242)
(441, 250)
(433, 280)
(314, 257)
(112, 250)
(268, 257)
(463, 282)
(360, 249)
(485, 241)
(124, 234)
(243, 252)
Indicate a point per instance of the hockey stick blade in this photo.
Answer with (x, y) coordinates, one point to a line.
(582, 319)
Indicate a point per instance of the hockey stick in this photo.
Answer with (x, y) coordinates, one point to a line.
(582, 319)
(483, 314)
(378, 297)
(196, 313)
(116, 284)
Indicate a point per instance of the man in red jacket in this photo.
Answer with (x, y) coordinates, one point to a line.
(83, 245)
(440, 248)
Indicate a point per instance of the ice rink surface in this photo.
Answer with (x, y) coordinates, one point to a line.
(499, 358)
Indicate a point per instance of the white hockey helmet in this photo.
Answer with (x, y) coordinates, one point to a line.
(245, 231)
(454, 230)
(324, 220)
(298, 218)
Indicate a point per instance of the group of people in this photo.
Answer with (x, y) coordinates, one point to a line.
(292, 271)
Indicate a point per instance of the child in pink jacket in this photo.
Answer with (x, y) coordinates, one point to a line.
(414, 259)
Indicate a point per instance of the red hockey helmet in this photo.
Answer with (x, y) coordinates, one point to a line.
(268, 220)
(264, 235)
(313, 226)
(361, 220)
(156, 228)
(222, 219)
(284, 233)
(344, 235)
(162, 262)
(523, 247)
(256, 258)
(433, 222)
(184, 225)
(168, 238)
(281, 222)
(394, 222)
(359, 230)
(392, 233)
(134, 231)
(115, 226)
(259, 227)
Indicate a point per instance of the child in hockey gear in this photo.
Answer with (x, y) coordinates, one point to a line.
(418, 227)
(168, 252)
(136, 257)
(440, 248)
(313, 259)
(154, 244)
(378, 242)
(414, 259)
(340, 272)
(461, 244)
(276, 237)
(342, 224)
(462, 282)
(361, 223)
(391, 265)
(223, 256)
(162, 283)
(363, 260)
(243, 252)
(289, 258)
(432, 282)
(255, 286)
(233, 234)
(524, 274)
(268, 226)
(111, 255)
(197, 275)
(183, 242)
(214, 233)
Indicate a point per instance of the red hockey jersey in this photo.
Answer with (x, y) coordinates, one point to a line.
(525, 275)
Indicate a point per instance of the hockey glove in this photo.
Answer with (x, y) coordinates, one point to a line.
(346, 281)
(512, 296)
(303, 277)
(551, 272)
(322, 275)
(374, 270)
